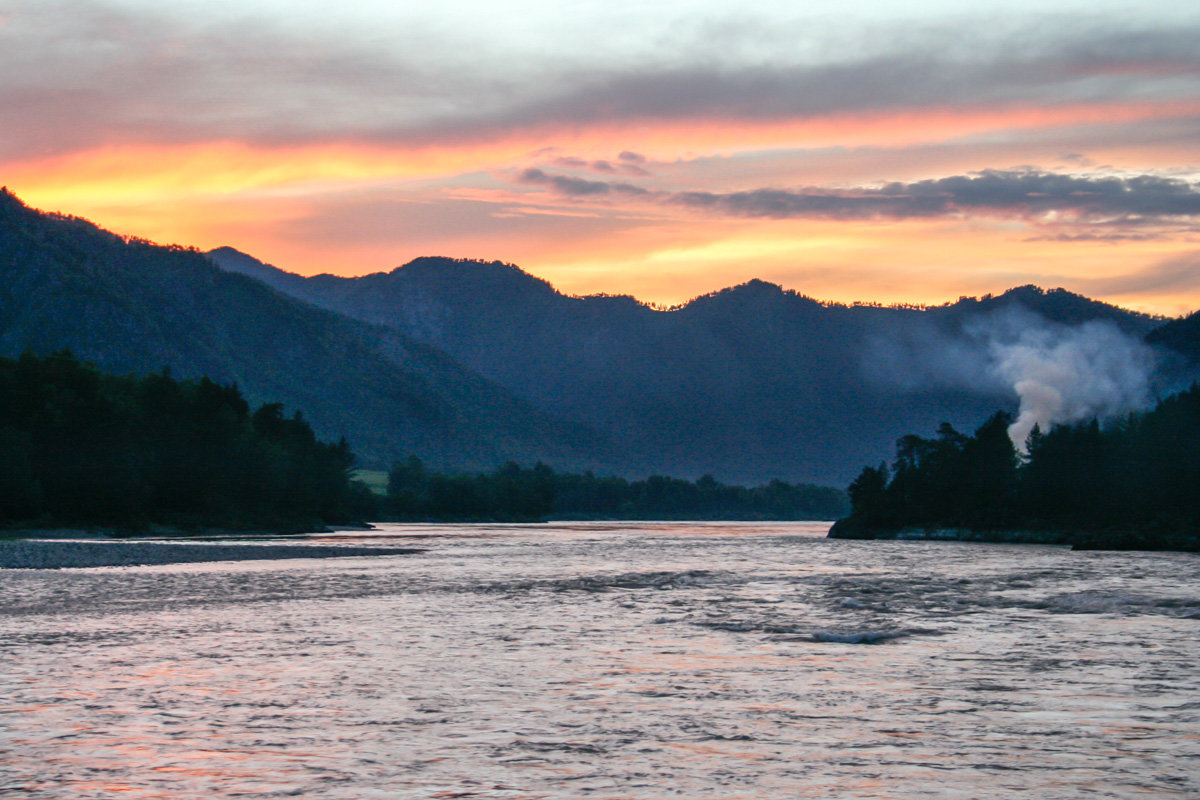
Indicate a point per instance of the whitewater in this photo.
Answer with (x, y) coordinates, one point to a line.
(602, 660)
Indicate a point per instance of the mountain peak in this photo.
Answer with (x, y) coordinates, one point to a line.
(9, 201)
(428, 264)
(468, 273)
(757, 286)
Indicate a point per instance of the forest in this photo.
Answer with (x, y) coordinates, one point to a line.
(1130, 484)
(516, 493)
(81, 447)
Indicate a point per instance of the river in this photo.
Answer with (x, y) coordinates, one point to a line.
(612, 660)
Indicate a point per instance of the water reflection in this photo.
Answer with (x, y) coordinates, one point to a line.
(612, 661)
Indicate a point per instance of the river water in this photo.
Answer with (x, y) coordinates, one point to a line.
(747, 661)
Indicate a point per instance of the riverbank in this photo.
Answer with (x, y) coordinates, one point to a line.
(1151, 539)
(96, 551)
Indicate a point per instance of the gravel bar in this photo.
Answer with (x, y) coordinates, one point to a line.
(43, 554)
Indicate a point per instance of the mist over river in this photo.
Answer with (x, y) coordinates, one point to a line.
(611, 660)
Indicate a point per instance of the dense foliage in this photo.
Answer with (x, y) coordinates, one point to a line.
(513, 492)
(78, 446)
(1135, 483)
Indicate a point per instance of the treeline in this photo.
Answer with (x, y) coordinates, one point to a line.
(516, 493)
(1134, 484)
(79, 447)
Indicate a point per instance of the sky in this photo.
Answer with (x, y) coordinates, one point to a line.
(883, 152)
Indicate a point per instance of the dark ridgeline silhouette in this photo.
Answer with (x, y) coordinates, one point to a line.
(748, 383)
(515, 493)
(80, 447)
(129, 306)
(472, 364)
(1134, 484)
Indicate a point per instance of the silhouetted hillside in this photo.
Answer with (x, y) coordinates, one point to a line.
(470, 364)
(1055, 305)
(1182, 336)
(749, 383)
(1130, 485)
(134, 307)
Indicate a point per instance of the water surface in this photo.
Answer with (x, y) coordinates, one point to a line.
(610, 661)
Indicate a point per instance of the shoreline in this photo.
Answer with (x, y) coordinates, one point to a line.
(1111, 540)
(96, 550)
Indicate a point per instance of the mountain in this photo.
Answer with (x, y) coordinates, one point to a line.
(748, 383)
(470, 363)
(134, 307)
(1181, 336)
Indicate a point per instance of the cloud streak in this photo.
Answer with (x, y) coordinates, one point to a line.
(1046, 197)
(1180, 274)
(570, 186)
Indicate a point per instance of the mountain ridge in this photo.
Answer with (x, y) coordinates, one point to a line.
(134, 307)
(469, 363)
(750, 382)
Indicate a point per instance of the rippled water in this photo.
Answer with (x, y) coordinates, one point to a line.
(609, 661)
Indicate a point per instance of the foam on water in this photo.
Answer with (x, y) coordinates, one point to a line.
(608, 661)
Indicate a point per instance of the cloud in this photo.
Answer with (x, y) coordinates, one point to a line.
(578, 187)
(1046, 198)
(603, 167)
(134, 74)
(1110, 237)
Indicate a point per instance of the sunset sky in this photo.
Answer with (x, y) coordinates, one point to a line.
(885, 152)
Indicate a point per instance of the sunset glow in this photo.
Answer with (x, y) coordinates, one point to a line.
(730, 153)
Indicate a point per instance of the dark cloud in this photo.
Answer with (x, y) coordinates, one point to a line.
(1033, 192)
(602, 167)
(564, 184)
(1099, 236)
(1045, 197)
(577, 187)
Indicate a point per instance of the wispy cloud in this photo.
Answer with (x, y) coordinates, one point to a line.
(1179, 273)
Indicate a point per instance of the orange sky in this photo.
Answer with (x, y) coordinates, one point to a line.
(892, 177)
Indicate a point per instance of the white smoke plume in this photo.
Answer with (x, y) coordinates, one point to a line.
(1058, 373)
(1064, 374)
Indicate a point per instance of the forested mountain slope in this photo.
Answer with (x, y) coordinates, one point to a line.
(134, 307)
(749, 383)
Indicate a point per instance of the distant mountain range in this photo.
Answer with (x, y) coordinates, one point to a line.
(470, 363)
(749, 383)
